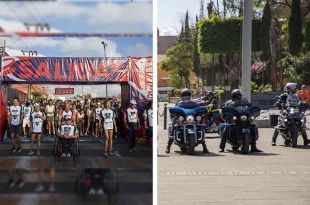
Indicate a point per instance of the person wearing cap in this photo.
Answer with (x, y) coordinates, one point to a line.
(67, 133)
(37, 117)
(131, 120)
(97, 120)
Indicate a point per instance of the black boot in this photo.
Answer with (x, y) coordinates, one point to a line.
(204, 146)
(274, 137)
(305, 137)
(254, 148)
(169, 145)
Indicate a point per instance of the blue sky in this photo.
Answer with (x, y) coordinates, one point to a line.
(81, 16)
(172, 12)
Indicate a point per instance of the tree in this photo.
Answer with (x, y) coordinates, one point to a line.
(265, 33)
(187, 30)
(179, 60)
(295, 28)
(196, 57)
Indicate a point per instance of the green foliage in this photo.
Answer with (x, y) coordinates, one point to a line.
(307, 35)
(295, 28)
(218, 35)
(254, 87)
(265, 33)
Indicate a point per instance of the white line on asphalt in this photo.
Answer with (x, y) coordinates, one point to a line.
(234, 173)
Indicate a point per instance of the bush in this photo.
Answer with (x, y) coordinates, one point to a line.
(218, 35)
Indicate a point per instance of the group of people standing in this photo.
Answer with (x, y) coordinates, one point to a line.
(92, 117)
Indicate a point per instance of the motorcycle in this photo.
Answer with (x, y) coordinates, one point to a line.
(239, 119)
(291, 120)
(187, 128)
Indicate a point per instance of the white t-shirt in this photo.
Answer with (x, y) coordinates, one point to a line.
(68, 130)
(15, 112)
(97, 112)
(107, 115)
(37, 122)
(26, 112)
(132, 115)
(50, 110)
(65, 114)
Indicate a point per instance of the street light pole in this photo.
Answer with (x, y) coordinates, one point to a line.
(105, 45)
(246, 49)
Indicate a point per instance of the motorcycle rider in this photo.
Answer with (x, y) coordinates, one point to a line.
(290, 88)
(186, 96)
(236, 96)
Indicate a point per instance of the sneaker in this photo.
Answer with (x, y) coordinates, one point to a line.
(111, 154)
(63, 155)
(273, 143)
(39, 188)
(38, 153)
(11, 184)
(19, 150)
(68, 155)
(30, 153)
(13, 150)
(106, 154)
(20, 183)
(221, 150)
(92, 191)
(52, 187)
(100, 192)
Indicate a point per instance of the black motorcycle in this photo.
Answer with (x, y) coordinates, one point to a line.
(239, 122)
(291, 120)
(187, 128)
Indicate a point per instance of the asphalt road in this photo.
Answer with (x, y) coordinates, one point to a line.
(133, 172)
(278, 176)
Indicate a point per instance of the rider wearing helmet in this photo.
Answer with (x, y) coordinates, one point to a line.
(186, 96)
(236, 96)
(290, 88)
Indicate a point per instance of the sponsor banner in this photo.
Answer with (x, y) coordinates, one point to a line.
(141, 77)
(64, 91)
(65, 70)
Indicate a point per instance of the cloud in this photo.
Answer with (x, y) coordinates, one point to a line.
(16, 26)
(68, 47)
(168, 32)
(108, 17)
(139, 49)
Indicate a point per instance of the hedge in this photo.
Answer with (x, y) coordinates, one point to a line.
(217, 35)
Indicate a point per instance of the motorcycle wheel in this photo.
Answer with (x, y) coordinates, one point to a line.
(183, 150)
(294, 136)
(191, 145)
(246, 144)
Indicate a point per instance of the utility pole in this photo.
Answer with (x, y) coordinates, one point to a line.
(246, 49)
(105, 45)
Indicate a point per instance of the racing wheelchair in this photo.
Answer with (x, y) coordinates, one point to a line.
(58, 148)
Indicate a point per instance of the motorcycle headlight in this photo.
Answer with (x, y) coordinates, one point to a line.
(190, 118)
(234, 118)
(302, 120)
(181, 118)
(198, 118)
(243, 118)
(285, 120)
(252, 118)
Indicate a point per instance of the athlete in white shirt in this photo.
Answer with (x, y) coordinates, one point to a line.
(98, 120)
(27, 109)
(131, 120)
(15, 117)
(50, 117)
(109, 125)
(37, 117)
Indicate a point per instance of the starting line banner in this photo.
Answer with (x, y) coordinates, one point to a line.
(65, 70)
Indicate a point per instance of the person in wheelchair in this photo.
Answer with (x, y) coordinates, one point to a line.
(67, 134)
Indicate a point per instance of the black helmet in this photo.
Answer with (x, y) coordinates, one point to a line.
(236, 94)
(186, 93)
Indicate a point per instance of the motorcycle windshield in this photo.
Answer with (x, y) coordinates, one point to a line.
(188, 108)
(241, 110)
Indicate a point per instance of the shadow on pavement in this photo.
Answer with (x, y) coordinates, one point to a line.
(253, 153)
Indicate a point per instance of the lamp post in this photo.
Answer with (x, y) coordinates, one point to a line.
(246, 49)
(105, 45)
